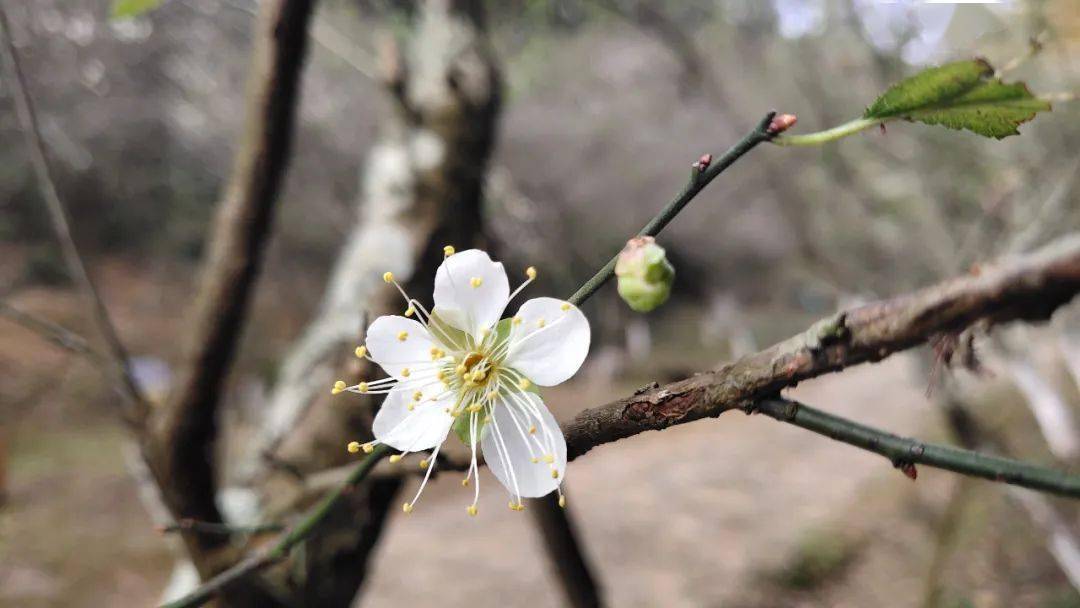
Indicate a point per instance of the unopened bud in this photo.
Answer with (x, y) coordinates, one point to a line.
(645, 275)
(703, 163)
(781, 123)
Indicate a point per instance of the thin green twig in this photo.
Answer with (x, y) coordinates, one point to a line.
(697, 183)
(903, 451)
(223, 529)
(822, 137)
(297, 534)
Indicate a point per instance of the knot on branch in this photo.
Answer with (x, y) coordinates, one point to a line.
(664, 408)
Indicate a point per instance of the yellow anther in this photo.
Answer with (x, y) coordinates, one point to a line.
(474, 408)
(353, 447)
(436, 354)
(362, 387)
(448, 250)
(524, 384)
(465, 482)
(361, 351)
(548, 458)
(388, 277)
(424, 463)
(410, 311)
(554, 473)
(440, 375)
(512, 506)
(471, 510)
(565, 306)
(541, 322)
(402, 336)
(417, 396)
(368, 448)
(405, 373)
(516, 321)
(562, 501)
(460, 369)
(407, 508)
(395, 458)
(530, 272)
(487, 419)
(532, 430)
(476, 282)
(516, 506)
(338, 387)
(534, 459)
(411, 406)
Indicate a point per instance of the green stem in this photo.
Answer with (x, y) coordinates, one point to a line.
(697, 183)
(901, 450)
(821, 137)
(297, 534)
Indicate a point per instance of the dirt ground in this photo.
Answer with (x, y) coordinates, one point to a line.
(739, 511)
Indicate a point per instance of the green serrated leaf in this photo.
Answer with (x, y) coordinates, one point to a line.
(127, 9)
(960, 95)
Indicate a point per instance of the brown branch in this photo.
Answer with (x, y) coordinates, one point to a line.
(566, 552)
(1028, 287)
(184, 464)
(137, 407)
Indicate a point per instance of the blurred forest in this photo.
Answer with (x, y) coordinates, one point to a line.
(596, 109)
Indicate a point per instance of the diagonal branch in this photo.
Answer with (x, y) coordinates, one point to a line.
(1028, 287)
(53, 333)
(903, 452)
(137, 408)
(241, 229)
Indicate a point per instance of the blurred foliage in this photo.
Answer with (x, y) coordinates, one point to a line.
(821, 556)
(126, 9)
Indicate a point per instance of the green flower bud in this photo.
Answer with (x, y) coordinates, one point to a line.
(645, 275)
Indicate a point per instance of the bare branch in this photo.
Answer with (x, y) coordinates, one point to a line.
(52, 333)
(184, 464)
(137, 407)
(1028, 287)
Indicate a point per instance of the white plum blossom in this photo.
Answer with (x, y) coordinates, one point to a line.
(461, 368)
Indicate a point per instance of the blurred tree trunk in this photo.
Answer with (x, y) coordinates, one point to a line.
(421, 190)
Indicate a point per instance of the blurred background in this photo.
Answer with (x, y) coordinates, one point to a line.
(583, 121)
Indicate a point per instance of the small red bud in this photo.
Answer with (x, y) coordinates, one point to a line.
(781, 123)
(908, 469)
(703, 162)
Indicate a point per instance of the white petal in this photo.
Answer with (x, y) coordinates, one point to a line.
(471, 291)
(550, 343)
(397, 343)
(423, 428)
(533, 478)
